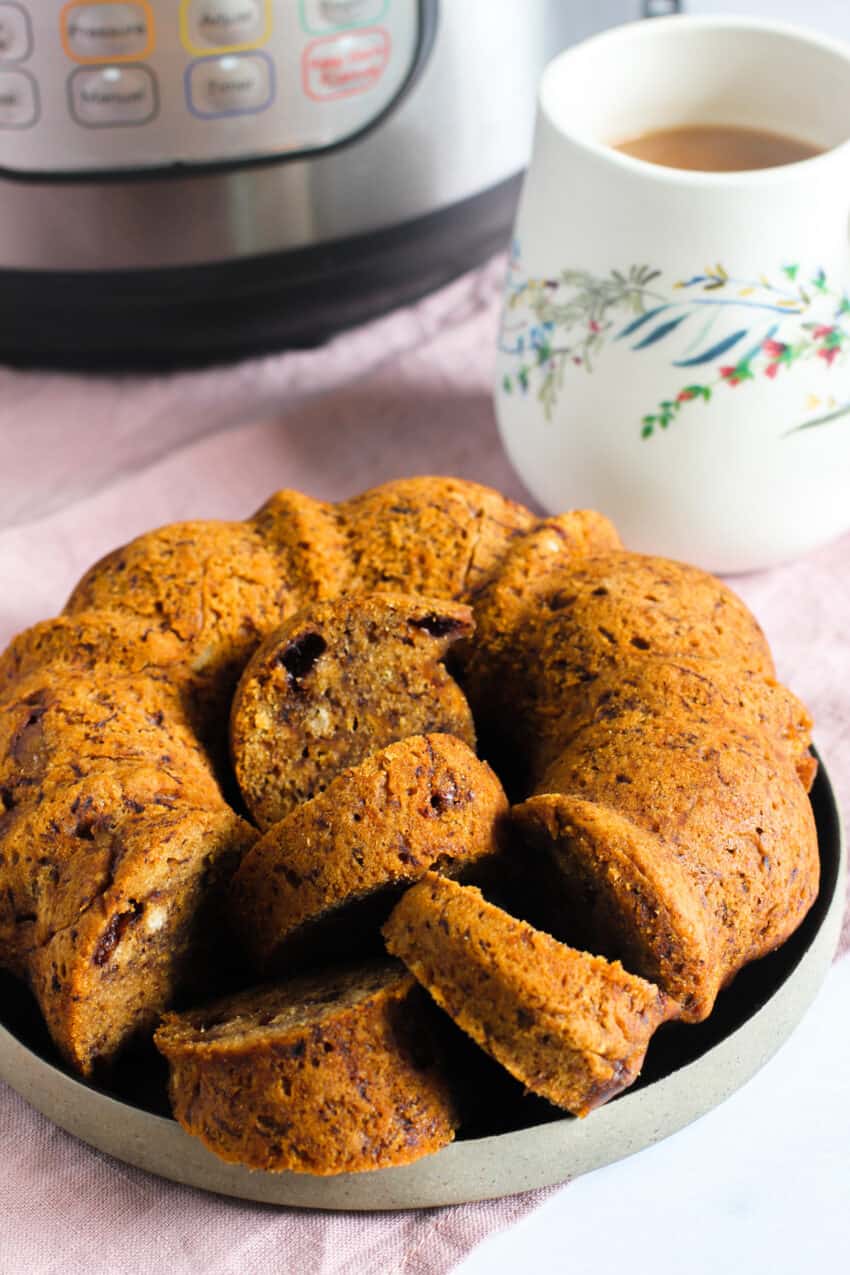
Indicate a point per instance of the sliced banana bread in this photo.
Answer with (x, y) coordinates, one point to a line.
(338, 681)
(332, 1073)
(571, 1027)
(324, 878)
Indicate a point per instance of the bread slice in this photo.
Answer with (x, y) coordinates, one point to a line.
(571, 1027)
(325, 878)
(340, 680)
(331, 1073)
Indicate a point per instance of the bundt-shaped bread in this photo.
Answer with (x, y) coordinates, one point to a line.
(629, 703)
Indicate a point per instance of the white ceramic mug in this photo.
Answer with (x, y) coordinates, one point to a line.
(675, 345)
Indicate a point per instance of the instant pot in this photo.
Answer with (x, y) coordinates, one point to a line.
(187, 180)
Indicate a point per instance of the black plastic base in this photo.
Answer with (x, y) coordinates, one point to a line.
(204, 314)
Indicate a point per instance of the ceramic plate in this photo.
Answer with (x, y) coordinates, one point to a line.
(688, 1070)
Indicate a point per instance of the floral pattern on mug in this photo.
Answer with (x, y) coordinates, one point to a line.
(552, 326)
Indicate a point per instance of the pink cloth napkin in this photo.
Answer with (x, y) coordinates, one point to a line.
(90, 463)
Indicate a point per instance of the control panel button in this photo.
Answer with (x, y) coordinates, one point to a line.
(18, 99)
(225, 25)
(345, 64)
(112, 96)
(236, 84)
(15, 34)
(322, 16)
(105, 32)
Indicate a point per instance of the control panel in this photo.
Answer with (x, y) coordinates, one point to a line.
(96, 87)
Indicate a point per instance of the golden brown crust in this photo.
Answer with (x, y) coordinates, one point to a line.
(338, 681)
(426, 802)
(332, 1073)
(205, 581)
(59, 726)
(713, 779)
(308, 541)
(92, 642)
(571, 1027)
(591, 617)
(219, 587)
(496, 667)
(698, 689)
(131, 914)
(439, 536)
(554, 546)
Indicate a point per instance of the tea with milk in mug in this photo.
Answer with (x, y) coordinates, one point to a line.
(717, 148)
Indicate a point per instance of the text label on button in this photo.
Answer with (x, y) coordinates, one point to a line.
(343, 65)
(228, 26)
(106, 32)
(112, 96)
(236, 84)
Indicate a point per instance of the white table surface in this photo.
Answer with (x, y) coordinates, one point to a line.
(760, 1186)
